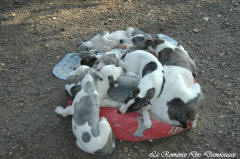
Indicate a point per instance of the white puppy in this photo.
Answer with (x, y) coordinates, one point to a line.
(106, 41)
(108, 72)
(150, 71)
(180, 99)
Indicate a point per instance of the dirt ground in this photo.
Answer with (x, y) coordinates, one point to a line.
(36, 34)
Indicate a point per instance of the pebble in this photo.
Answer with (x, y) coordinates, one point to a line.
(136, 147)
(125, 149)
(226, 23)
(54, 18)
(220, 131)
(150, 140)
(110, 20)
(196, 30)
(1, 69)
(3, 64)
(206, 19)
(13, 14)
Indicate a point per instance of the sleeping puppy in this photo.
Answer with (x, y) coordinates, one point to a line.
(88, 60)
(121, 89)
(180, 99)
(172, 55)
(98, 43)
(136, 42)
(93, 135)
(166, 52)
(104, 41)
(109, 58)
(150, 71)
(97, 62)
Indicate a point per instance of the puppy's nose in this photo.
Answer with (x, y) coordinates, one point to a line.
(121, 41)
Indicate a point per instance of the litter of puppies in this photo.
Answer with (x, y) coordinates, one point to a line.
(153, 77)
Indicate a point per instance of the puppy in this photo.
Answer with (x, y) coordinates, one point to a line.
(180, 99)
(136, 42)
(150, 71)
(123, 88)
(101, 77)
(88, 60)
(92, 135)
(166, 52)
(172, 55)
(73, 81)
(103, 42)
(109, 58)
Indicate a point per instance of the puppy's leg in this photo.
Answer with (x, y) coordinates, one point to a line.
(132, 74)
(106, 102)
(93, 51)
(124, 107)
(194, 123)
(107, 48)
(146, 117)
(104, 129)
(64, 111)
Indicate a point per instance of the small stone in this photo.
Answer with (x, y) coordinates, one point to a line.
(13, 14)
(54, 18)
(136, 147)
(1, 69)
(220, 131)
(226, 23)
(125, 149)
(110, 20)
(196, 30)
(206, 19)
(3, 64)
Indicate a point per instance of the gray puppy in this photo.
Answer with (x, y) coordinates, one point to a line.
(93, 135)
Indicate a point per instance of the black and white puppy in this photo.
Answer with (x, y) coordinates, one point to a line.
(180, 99)
(88, 60)
(166, 52)
(172, 55)
(93, 135)
(150, 71)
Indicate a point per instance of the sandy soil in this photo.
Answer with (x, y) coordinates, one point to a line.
(36, 34)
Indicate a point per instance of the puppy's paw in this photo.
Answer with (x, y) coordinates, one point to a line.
(107, 48)
(60, 111)
(148, 123)
(194, 123)
(122, 109)
(103, 118)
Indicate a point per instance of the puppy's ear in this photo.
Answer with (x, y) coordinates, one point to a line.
(88, 87)
(148, 42)
(97, 76)
(157, 41)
